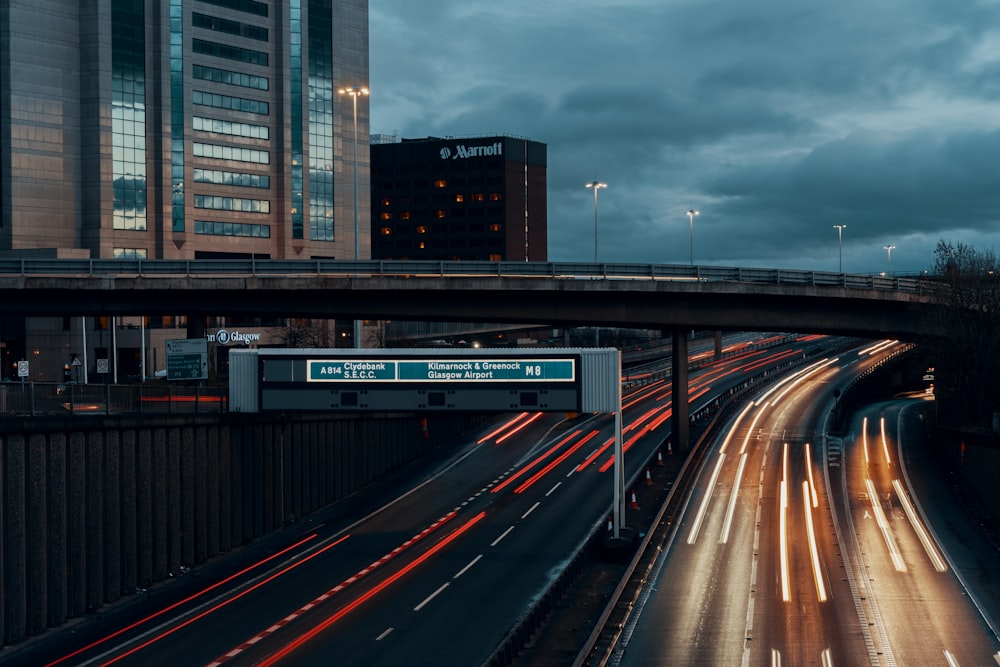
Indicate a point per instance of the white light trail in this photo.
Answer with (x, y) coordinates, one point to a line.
(700, 516)
(918, 527)
(783, 530)
(733, 496)
(736, 423)
(826, 658)
(812, 483)
(813, 550)
(753, 426)
(883, 524)
(864, 439)
(951, 659)
(885, 443)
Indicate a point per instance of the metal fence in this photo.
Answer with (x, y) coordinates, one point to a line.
(36, 399)
(426, 268)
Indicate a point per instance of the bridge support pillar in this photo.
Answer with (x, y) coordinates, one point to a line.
(681, 427)
(718, 344)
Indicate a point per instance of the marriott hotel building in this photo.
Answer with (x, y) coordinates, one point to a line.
(176, 129)
(182, 129)
(462, 198)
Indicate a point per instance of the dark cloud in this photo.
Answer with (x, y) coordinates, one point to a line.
(777, 119)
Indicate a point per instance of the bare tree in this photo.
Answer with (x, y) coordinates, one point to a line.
(968, 358)
(303, 334)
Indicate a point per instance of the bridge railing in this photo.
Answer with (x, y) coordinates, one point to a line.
(426, 268)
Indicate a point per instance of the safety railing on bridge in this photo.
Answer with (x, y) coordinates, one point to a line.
(112, 268)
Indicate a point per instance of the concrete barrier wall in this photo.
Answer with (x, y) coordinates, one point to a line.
(94, 508)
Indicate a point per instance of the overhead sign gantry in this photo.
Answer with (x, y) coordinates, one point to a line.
(549, 380)
(560, 380)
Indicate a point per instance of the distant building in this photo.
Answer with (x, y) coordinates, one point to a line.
(474, 198)
(176, 129)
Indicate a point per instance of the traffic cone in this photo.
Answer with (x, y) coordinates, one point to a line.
(649, 478)
(611, 525)
(659, 458)
(635, 503)
(670, 449)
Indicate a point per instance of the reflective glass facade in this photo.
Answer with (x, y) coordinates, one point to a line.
(128, 114)
(182, 128)
(321, 90)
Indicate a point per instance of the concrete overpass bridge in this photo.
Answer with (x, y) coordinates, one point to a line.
(677, 298)
(569, 294)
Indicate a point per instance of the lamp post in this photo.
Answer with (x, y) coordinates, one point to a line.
(840, 236)
(596, 185)
(691, 214)
(355, 92)
(888, 250)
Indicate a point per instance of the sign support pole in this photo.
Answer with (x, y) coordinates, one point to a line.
(619, 468)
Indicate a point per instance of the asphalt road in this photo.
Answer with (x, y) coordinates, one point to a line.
(795, 548)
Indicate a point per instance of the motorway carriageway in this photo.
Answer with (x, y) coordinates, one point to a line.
(438, 575)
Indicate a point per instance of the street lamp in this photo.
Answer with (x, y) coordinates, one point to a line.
(597, 185)
(888, 250)
(840, 236)
(355, 92)
(691, 214)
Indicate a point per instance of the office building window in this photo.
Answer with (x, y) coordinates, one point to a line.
(207, 48)
(321, 91)
(229, 77)
(233, 129)
(249, 6)
(215, 228)
(230, 103)
(218, 177)
(130, 253)
(232, 204)
(228, 27)
(234, 153)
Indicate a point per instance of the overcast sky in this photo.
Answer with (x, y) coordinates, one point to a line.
(776, 119)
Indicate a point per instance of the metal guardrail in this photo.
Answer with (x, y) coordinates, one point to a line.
(112, 268)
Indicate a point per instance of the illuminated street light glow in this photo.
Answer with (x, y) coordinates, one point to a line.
(596, 185)
(355, 92)
(691, 213)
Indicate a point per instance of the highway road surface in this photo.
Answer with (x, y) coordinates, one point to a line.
(438, 574)
(796, 548)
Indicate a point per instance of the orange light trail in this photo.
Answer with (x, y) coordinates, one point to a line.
(547, 469)
(182, 602)
(227, 602)
(288, 649)
(552, 450)
(523, 425)
(502, 427)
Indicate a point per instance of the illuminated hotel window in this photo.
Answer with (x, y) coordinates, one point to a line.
(496, 227)
(386, 201)
(440, 183)
(385, 215)
(386, 231)
(422, 245)
(459, 198)
(494, 196)
(495, 257)
(440, 214)
(421, 229)
(405, 215)
(478, 197)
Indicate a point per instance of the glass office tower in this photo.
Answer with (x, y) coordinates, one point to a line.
(182, 129)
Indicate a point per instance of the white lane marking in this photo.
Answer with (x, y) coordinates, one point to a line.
(558, 484)
(432, 596)
(709, 491)
(918, 527)
(466, 568)
(385, 634)
(530, 510)
(502, 535)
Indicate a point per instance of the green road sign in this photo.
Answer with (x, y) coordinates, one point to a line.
(474, 370)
